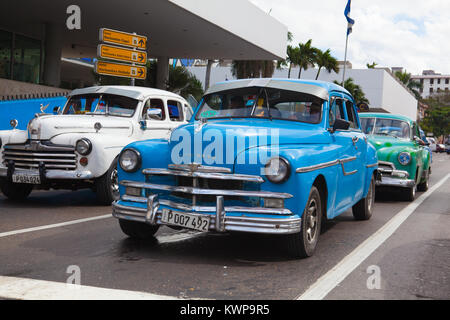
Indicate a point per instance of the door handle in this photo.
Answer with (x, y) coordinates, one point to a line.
(355, 140)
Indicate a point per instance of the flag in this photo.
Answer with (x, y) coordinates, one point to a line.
(350, 21)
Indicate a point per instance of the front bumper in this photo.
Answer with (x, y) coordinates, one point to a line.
(391, 177)
(223, 219)
(49, 174)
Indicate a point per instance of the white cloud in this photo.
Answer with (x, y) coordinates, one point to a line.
(408, 33)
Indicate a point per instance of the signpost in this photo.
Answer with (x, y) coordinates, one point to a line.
(133, 53)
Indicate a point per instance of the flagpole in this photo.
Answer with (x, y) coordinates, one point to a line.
(345, 59)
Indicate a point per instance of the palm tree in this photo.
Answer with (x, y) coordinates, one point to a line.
(355, 90)
(325, 60)
(291, 58)
(371, 66)
(411, 84)
(306, 56)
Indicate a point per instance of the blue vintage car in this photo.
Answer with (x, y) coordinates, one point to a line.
(272, 156)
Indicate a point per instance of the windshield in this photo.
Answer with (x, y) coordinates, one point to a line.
(103, 104)
(261, 103)
(387, 127)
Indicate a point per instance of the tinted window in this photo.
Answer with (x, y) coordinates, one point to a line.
(154, 104)
(351, 114)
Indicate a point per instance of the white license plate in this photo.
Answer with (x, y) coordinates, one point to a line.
(26, 178)
(185, 220)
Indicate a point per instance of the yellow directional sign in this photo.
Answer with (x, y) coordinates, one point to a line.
(120, 70)
(123, 38)
(121, 54)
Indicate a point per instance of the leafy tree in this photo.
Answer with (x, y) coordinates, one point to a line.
(371, 66)
(306, 56)
(411, 84)
(355, 90)
(324, 59)
(437, 116)
(291, 58)
(184, 83)
(244, 69)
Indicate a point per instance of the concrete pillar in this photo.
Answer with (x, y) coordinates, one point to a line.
(162, 73)
(52, 51)
(208, 73)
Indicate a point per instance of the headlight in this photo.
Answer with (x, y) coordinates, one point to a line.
(83, 146)
(130, 160)
(277, 170)
(404, 158)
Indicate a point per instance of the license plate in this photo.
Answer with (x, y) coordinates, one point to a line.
(26, 178)
(185, 220)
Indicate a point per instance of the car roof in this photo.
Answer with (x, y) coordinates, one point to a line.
(139, 93)
(384, 116)
(317, 88)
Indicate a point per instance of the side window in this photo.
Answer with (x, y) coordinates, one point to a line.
(154, 104)
(175, 110)
(351, 114)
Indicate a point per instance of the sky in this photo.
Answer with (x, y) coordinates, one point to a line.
(413, 34)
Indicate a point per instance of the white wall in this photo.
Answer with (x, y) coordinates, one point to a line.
(379, 86)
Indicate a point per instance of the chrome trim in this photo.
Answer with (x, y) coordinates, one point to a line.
(52, 174)
(199, 168)
(317, 166)
(186, 207)
(220, 214)
(372, 165)
(200, 191)
(342, 161)
(206, 175)
(38, 146)
(228, 223)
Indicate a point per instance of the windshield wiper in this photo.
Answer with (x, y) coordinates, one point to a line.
(387, 134)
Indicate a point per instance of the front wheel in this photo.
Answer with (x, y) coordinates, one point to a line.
(410, 193)
(303, 243)
(15, 191)
(137, 230)
(107, 186)
(363, 209)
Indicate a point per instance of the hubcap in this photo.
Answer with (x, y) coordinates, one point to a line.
(370, 196)
(311, 221)
(114, 181)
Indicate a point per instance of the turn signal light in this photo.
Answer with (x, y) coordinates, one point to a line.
(84, 161)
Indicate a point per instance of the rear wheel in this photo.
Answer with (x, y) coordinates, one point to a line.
(15, 191)
(303, 243)
(138, 230)
(363, 209)
(107, 186)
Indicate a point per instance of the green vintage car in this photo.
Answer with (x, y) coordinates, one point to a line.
(403, 161)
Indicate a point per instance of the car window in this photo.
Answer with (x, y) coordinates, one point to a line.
(121, 106)
(351, 114)
(336, 110)
(367, 125)
(262, 103)
(175, 110)
(392, 127)
(81, 104)
(189, 112)
(154, 104)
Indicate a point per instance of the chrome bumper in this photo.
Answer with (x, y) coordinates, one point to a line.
(220, 220)
(52, 174)
(395, 182)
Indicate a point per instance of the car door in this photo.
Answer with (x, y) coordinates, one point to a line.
(351, 147)
(155, 127)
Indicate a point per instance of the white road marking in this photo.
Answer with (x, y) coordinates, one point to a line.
(338, 273)
(56, 225)
(30, 289)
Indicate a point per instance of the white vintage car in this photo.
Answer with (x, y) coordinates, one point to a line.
(77, 147)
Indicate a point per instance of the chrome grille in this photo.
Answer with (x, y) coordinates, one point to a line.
(30, 155)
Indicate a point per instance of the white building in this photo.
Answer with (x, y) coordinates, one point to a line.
(384, 91)
(432, 83)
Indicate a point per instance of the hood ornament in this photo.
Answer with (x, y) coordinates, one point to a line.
(44, 107)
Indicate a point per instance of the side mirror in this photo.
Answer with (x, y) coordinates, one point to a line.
(340, 124)
(154, 113)
(56, 110)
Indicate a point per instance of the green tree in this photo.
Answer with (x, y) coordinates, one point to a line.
(437, 116)
(411, 84)
(306, 56)
(355, 90)
(324, 59)
(371, 66)
(244, 69)
(291, 58)
(184, 83)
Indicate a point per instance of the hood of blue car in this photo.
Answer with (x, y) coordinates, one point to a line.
(224, 139)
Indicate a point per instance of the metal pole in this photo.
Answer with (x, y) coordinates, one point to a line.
(345, 59)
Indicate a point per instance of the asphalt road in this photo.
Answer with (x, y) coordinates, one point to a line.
(413, 263)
